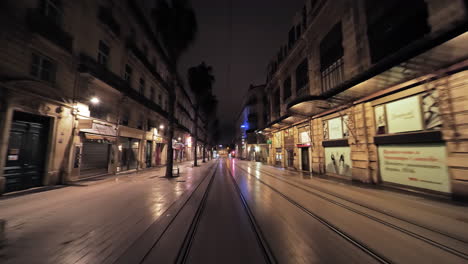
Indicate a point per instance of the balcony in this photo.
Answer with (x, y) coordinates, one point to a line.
(333, 75)
(106, 18)
(89, 65)
(140, 55)
(49, 29)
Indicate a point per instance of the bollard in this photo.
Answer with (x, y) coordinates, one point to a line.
(175, 171)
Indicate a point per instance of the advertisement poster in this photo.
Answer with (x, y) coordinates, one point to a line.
(404, 115)
(416, 165)
(335, 127)
(338, 160)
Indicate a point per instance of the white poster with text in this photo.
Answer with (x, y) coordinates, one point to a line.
(417, 165)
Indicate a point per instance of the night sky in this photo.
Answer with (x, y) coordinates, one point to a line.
(239, 59)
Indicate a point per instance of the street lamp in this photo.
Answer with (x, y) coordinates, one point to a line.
(161, 126)
(94, 100)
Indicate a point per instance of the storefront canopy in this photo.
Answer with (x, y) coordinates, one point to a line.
(421, 58)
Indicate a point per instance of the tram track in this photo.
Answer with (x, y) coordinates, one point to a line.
(362, 246)
(316, 192)
(301, 184)
(408, 232)
(189, 240)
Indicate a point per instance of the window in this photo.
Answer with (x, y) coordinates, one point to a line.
(152, 94)
(276, 104)
(124, 118)
(142, 86)
(103, 53)
(43, 68)
(394, 24)
(53, 10)
(304, 135)
(331, 58)
(302, 77)
(128, 73)
(160, 100)
(336, 128)
(98, 111)
(140, 123)
(414, 113)
(287, 88)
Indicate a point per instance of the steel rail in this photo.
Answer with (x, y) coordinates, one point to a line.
(366, 249)
(376, 219)
(266, 249)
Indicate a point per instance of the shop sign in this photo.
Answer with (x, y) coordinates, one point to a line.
(303, 145)
(338, 160)
(269, 141)
(101, 129)
(404, 115)
(278, 150)
(422, 166)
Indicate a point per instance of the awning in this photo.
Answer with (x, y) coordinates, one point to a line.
(93, 136)
(100, 138)
(380, 77)
(307, 105)
(420, 58)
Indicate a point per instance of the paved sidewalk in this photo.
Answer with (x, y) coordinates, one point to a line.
(90, 223)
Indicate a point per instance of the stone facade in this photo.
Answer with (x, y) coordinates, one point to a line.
(377, 114)
(86, 82)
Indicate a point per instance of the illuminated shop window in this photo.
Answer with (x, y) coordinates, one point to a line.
(336, 128)
(415, 113)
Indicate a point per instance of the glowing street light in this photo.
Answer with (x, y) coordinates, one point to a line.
(94, 100)
(161, 126)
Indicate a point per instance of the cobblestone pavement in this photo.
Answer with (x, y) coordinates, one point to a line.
(93, 222)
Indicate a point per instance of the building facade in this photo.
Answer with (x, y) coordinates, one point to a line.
(249, 144)
(374, 92)
(84, 92)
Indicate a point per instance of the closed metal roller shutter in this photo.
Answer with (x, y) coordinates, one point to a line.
(94, 159)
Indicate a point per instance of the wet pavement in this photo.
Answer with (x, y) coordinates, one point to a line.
(231, 211)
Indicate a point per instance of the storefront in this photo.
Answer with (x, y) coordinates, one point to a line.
(179, 149)
(277, 144)
(96, 140)
(148, 153)
(411, 150)
(289, 147)
(336, 147)
(94, 155)
(129, 148)
(304, 144)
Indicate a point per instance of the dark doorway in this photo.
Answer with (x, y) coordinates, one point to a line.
(149, 153)
(290, 158)
(26, 154)
(129, 155)
(305, 159)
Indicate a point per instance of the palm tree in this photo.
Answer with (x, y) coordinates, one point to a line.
(209, 108)
(176, 25)
(200, 79)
